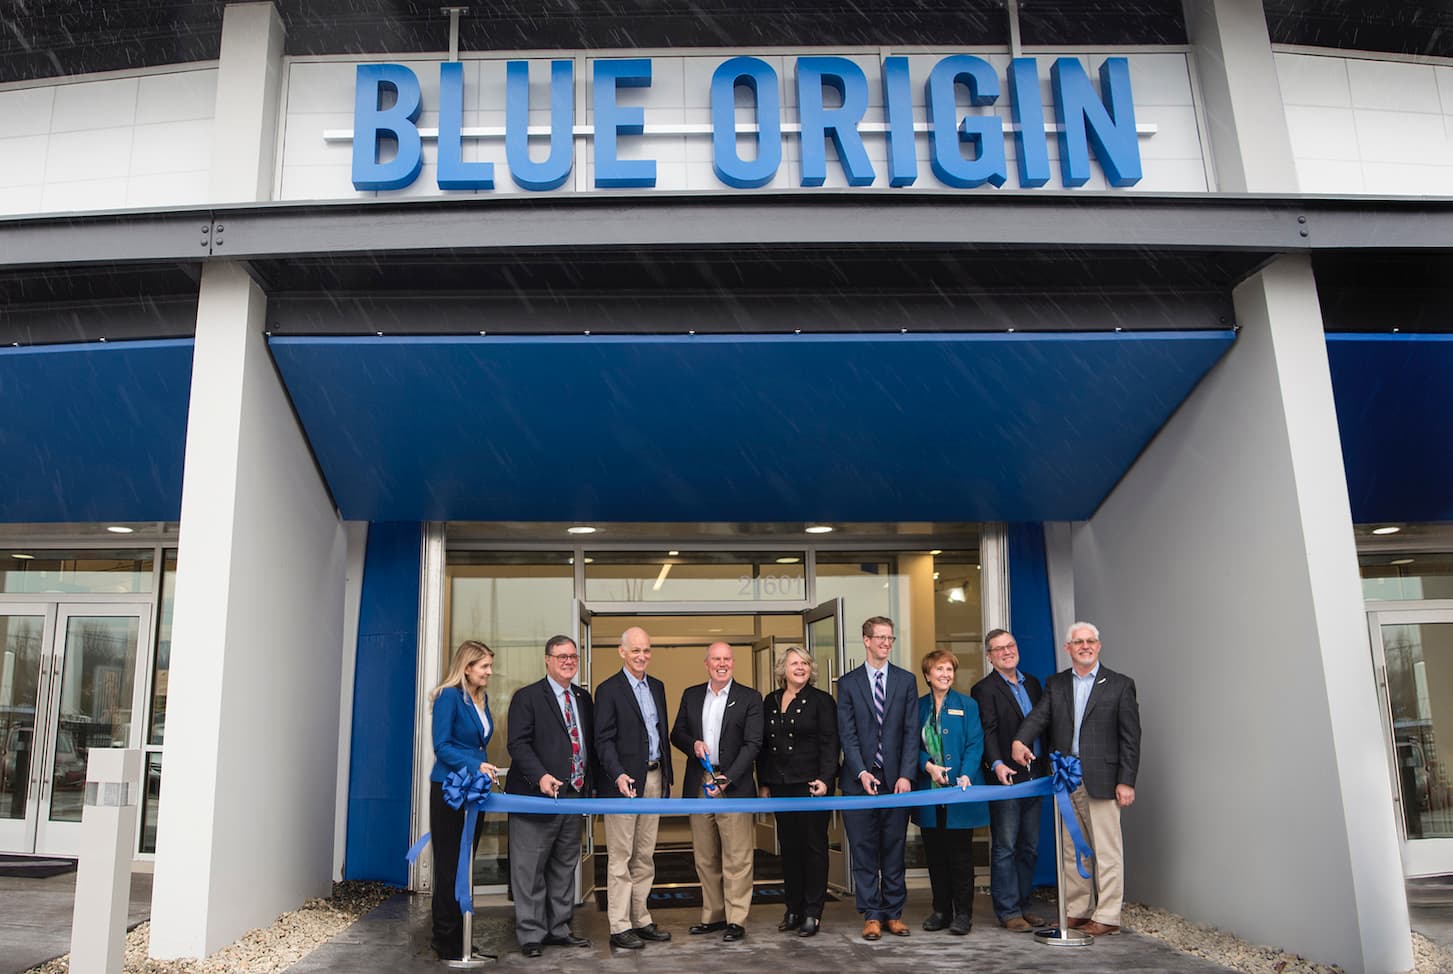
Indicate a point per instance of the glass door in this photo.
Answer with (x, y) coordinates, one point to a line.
(764, 681)
(824, 628)
(1413, 653)
(585, 872)
(24, 634)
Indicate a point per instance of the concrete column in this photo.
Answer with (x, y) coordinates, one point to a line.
(1231, 56)
(1223, 573)
(249, 88)
(245, 828)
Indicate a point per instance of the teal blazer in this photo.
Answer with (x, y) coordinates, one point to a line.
(459, 738)
(963, 746)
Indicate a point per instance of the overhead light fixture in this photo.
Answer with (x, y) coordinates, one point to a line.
(935, 576)
(120, 529)
(580, 529)
(661, 578)
(673, 553)
(956, 594)
(588, 560)
(1401, 561)
(22, 556)
(1388, 529)
(818, 529)
(788, 560)
(936, 551)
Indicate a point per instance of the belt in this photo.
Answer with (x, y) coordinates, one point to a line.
(653, 766)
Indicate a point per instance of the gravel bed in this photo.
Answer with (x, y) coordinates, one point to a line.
(264, 951)
(1229, 951)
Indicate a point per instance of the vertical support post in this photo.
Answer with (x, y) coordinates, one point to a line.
(103, 875)
(1061, 935)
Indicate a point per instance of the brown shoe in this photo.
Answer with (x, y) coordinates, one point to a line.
(896, 927)
(1074, 923)
(1017, 924)
(1035, 920)
(872, 930)
(1097, 929)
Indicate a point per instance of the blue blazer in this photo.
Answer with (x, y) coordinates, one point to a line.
(459, 738)
(963, 752)
(858, 728)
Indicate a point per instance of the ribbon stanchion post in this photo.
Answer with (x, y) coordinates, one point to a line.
(470, 791)
(1066, 779)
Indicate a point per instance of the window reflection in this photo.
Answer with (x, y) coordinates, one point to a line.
(1419, 679)
(1394, 577)
(36, 570)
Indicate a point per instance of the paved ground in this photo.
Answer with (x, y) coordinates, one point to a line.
(395, 938)
(35, 917)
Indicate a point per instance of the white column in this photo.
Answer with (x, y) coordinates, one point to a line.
(245, 828)
(1231, 55)
(249, 87)
(1223, 573)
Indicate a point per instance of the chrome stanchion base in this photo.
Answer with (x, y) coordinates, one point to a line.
(470, 960)
(1054, 937)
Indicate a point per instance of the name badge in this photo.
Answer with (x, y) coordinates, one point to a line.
(955, 713)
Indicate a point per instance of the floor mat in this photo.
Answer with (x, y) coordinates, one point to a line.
(35, 867)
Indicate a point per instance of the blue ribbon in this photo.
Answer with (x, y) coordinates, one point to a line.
(1065, 775)
(469, 790)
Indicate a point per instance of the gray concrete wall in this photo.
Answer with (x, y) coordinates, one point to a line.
(1223, 573)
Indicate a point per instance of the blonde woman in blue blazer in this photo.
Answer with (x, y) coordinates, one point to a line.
(951, 754)
(462, 728)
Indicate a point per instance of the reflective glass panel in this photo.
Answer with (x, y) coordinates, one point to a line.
(695, 576)
(1420, 686)
(1399, 577)
(156, 727)
(95, 709)
(151, 801)
(20, 638)
(74, 572)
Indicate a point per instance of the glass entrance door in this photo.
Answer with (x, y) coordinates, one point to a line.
(824, 628)
(585, 871)
(1413, 649)
(764, 681)
(68, 685)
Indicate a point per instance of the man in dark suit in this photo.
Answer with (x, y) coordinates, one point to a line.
(631, 760)
(877, 715)
(1005, 697)
(1091, 711)
(720, 721)
(550, 723)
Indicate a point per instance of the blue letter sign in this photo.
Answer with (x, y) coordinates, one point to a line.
(454, 172)
(758, 77)
(553, 172)
(984, 132)
(611, 119)
(841, 123)
(1084, 120)
(372, 123)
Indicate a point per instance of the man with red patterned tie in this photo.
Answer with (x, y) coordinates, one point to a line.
(550, 723)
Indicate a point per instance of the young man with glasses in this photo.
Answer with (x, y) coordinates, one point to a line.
(878, 726)
(1090, 711)
(550, 745)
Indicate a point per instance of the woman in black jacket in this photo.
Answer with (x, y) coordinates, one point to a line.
(799, 758)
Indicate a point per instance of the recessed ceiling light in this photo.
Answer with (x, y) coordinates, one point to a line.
(120, 529)
(935, 576)
(589, 560)
(788, 560)
(718, 629)
(936, 551)
(580, 529)
(673, 553)
(1401, 561)
(1389, 529)
(956, 594)
(23, 556)
(818, 529)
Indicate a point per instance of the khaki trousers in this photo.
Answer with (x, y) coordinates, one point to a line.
(1100, 897)
(630, 844)
(723, 847)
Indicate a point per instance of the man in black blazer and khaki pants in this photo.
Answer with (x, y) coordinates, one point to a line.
(550, 727)
(631, 759)
(721, 720)
(1091, 711)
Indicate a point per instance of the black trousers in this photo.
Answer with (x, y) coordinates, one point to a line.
(803, 838)
(446, 828)
(950, 855)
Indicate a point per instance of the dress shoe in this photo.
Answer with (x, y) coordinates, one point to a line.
(1097, 929)
(627, 940)
(1035, 920)
(896, 927)
(936, 921)
(734, 932)
(530, 950)
(1074, 923)
(809, 927)
(872, 930)
(569, 940)
(1017, 924)
(962, 924)
(790, 922)
(653, 933)
(711, 927)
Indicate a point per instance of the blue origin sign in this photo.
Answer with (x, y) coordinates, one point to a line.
(966, 149)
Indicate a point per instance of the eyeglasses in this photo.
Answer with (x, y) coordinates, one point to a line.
(1007, 647)
(1084, 642)
(883, 639)
(566, 657)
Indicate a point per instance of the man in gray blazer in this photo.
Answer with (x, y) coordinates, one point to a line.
(1091, 711)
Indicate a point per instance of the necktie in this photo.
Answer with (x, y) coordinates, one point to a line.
(880, 699)
(577, 759)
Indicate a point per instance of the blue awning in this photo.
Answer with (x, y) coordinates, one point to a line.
(1016, 427)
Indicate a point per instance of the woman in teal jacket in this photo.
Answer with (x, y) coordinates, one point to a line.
(951, 754)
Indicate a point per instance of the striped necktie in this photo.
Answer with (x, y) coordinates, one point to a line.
(577, 757)
(880, 699)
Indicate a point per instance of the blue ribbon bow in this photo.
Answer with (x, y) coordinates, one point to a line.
(1066, 775)
(469, 790)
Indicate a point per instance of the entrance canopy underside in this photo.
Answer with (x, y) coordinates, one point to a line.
(751, 428)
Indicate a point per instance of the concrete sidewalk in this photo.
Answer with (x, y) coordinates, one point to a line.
(35, 917)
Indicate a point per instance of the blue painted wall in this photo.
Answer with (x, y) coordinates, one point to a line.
(380, 764)
(1032, 622)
